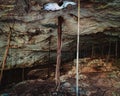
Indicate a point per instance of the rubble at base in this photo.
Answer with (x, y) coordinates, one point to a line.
(104, 82)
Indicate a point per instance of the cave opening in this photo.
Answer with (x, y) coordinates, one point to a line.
(29, 65)
(94, 46)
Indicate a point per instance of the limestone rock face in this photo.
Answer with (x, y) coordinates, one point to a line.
(34, 31)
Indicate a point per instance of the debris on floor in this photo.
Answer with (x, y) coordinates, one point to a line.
(92, 82)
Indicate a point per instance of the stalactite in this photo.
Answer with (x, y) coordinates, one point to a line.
(23, 74)
(116, 49)
(86, 53)
(102, 50)
(92, 53)
(49, 56)
(109, 51)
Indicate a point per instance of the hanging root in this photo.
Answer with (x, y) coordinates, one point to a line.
(59, 48)
(57, 86)
(5, 56)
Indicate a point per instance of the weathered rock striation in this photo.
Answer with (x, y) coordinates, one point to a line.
(34, 30)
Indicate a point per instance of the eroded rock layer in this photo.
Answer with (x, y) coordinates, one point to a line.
(34, 30)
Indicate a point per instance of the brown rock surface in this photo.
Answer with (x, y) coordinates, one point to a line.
(34, 28)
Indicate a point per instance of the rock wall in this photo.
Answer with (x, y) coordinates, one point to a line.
(34, 30)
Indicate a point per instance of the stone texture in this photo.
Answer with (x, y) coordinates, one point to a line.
(34, 31)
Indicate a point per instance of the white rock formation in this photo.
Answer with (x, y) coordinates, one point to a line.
(55, 6)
